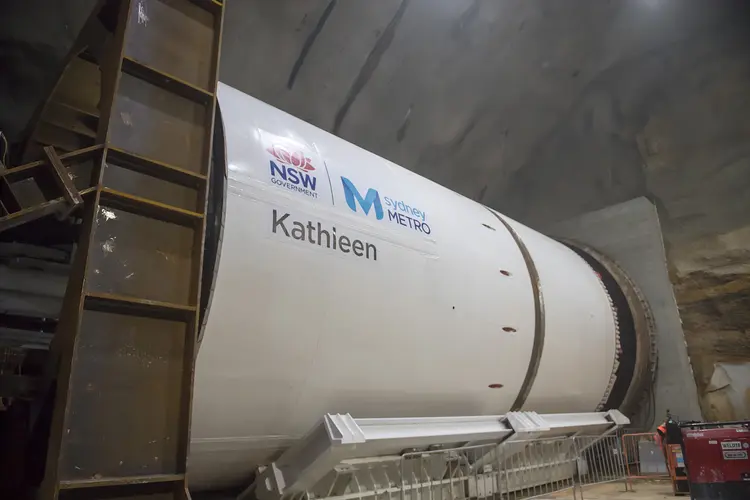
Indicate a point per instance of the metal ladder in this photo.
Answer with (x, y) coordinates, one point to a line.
(138, 172)
(38, 189)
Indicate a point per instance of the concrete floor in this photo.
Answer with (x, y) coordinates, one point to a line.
(651, 490)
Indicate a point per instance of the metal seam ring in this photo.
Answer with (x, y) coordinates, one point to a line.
(539, 318)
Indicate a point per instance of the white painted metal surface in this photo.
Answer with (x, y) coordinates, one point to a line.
(578, 326)
(347, 284)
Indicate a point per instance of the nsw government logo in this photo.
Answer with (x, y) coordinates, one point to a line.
(399, 212)
(292, 169)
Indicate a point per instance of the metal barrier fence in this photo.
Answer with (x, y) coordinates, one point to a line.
(644, 457)
(600, 460)
(543, 468)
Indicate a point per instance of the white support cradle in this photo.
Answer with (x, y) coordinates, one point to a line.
(328, 459)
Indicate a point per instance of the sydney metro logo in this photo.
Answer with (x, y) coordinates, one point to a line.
(292, 170)
(370, 200)
(398, 211)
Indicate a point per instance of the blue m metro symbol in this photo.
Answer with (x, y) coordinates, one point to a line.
(371, 199)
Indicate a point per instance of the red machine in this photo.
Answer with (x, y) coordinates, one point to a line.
(716, 456)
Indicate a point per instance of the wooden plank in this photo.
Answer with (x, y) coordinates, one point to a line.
(120, 304)
(121, 481)
(150, 208)
(63, 180)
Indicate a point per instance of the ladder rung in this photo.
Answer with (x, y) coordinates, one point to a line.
(166, 81)
(50, 134)
(24, 171)
(82, 153)
(213, 6)
(36, 212)
(77, 109)
(120, 481)
(25, 215)
(67, 117)
(133, 306)
(150, 208)
(155, 168)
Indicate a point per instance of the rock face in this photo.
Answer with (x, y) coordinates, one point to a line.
(728, 393)
(714, 303)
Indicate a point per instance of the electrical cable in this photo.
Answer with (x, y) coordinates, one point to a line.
(6, 148)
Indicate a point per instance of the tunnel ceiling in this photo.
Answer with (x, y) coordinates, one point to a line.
(496, 99)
